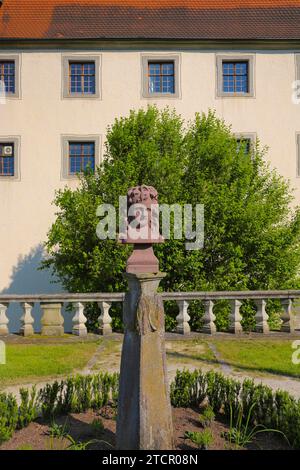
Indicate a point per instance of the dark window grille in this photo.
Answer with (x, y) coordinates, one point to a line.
(161, 77)
(8, 75)
(82, 78)
(245, 144)
(81, 157)
(235, 77)
(7, 159)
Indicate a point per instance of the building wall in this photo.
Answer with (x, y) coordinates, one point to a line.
(41, 116)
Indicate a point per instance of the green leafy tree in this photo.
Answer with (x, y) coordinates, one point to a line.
(251, 231)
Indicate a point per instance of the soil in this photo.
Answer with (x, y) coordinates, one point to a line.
(78, 425)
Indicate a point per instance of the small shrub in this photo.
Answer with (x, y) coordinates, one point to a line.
(9, 415)
(78, 445)
(58, 431)
(28, 409)
(207, 416)
(202, 439)
(49, 399)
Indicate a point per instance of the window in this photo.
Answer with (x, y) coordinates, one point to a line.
(235, 76)
(245, 141)
(81, 157)
(78, 154)
(7, 166)
(9, 162)
(9, 75)
(81, 76)
(161, 76)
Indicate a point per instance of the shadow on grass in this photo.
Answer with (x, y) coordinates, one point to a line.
(183, 356)
(232, 365)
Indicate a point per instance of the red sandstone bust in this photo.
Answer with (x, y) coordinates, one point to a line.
(142, 216)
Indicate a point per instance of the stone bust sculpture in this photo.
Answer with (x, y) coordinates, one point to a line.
(142, 215)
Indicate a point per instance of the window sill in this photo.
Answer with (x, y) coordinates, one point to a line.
(162, 95)
(81, 97)
(235, 95)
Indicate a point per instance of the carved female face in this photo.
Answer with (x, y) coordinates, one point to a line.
(134, 195)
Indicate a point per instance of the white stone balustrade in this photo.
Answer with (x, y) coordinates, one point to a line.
(53, 322)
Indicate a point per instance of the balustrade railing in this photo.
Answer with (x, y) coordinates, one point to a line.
(53, 322)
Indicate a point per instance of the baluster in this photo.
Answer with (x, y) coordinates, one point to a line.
(261, 317)
(209, 326)
(27, 319)
(79, 320)
(288, 323)
(183, 318)
(105, 319)
(3, 320)
(235, 317)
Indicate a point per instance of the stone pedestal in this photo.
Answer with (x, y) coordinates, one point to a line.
(144, 409)
(52, 320)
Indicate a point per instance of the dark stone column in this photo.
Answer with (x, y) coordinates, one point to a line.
(144, 409)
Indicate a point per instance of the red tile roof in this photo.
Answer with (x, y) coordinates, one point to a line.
(150, 19)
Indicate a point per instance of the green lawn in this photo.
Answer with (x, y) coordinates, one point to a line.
(273, 356)
(39, 362)
(193, 352)
(27, 362)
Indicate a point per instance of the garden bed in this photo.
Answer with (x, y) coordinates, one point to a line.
(209, 411)
(37, 436)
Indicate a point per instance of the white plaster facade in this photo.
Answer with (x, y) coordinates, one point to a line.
(40, 116)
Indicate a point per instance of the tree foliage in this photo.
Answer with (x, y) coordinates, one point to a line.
(251, 230)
